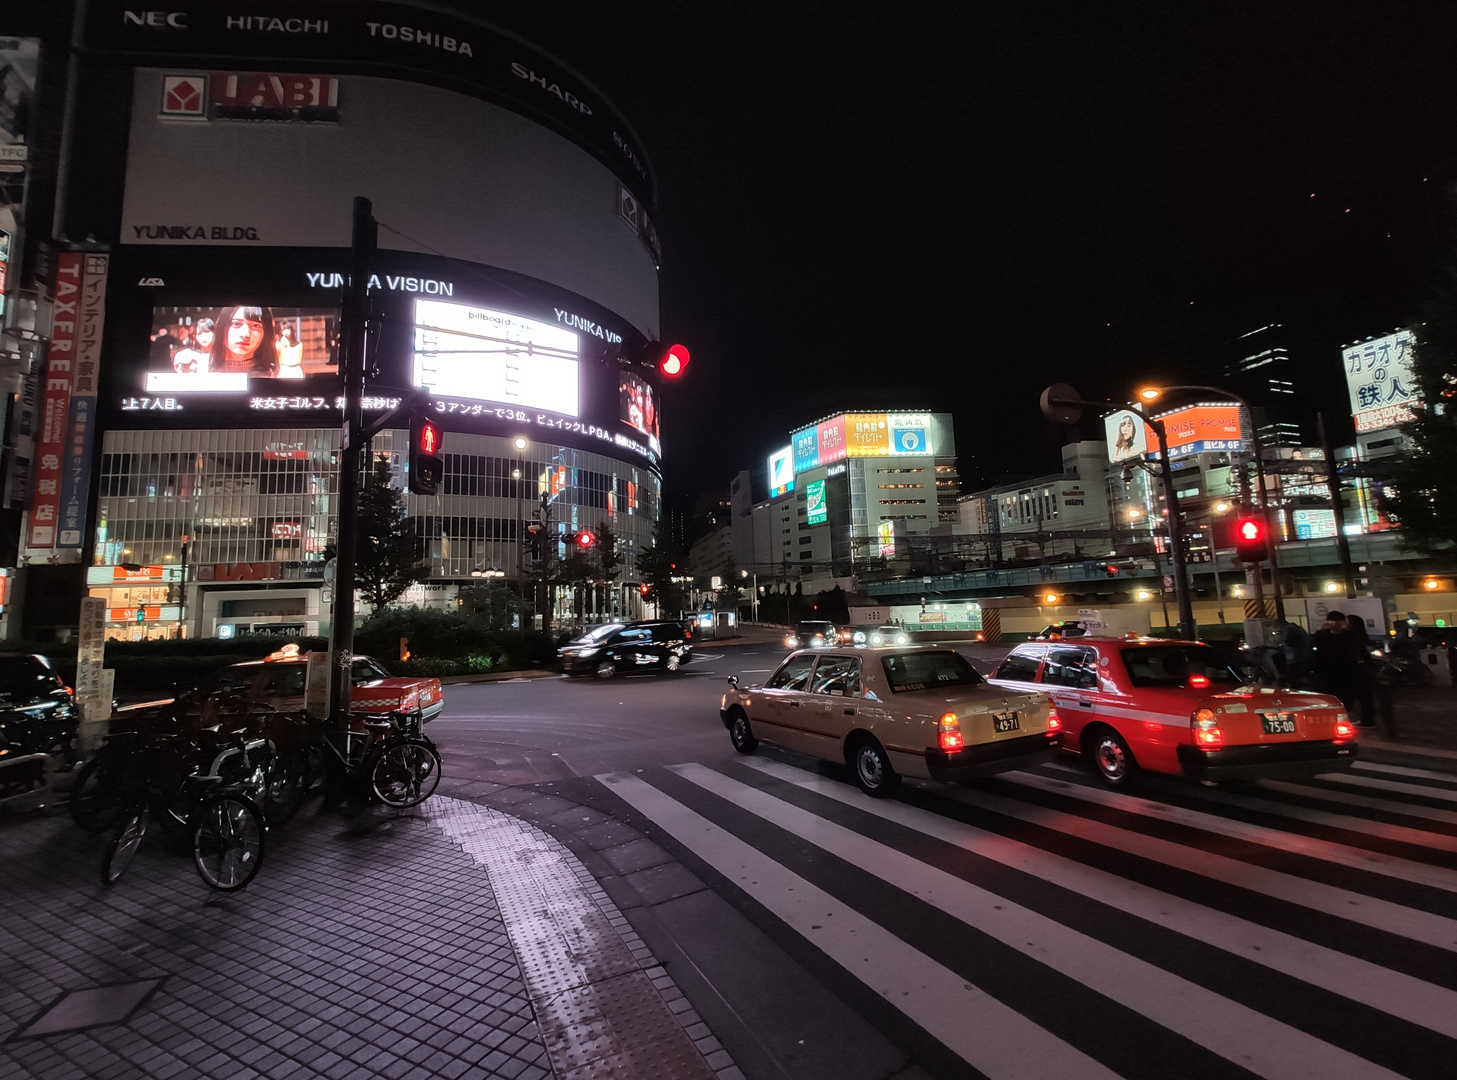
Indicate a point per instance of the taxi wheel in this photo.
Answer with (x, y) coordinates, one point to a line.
(672, 663)
(606, 669)
(872, 769)
(740, 734)
(1111, 757)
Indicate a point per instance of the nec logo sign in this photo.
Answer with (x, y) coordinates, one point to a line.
(177, 20)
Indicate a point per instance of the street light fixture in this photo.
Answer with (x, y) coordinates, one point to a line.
(1152, 393)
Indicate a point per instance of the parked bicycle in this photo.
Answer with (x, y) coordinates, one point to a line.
(380, 756)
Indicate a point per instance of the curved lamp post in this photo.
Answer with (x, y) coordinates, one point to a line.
(1152, 393)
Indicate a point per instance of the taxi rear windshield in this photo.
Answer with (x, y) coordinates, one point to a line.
(928, 671)
(1170, 666)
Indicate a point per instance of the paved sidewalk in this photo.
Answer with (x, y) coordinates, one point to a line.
(448, 941)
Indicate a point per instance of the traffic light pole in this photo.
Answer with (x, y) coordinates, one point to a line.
(352, 439)
(1188, 629)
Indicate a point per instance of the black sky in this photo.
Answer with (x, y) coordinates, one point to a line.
(951, 205)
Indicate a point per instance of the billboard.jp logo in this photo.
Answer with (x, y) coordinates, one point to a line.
(184, 95)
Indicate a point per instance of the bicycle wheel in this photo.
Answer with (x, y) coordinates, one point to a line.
(96, 800)
(124, 843)
(227, 841)
(405, 773)
(284, 785)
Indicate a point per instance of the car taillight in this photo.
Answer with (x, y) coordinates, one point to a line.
(1206, 729)
(1054, 722)
(948, 732)
(1345, 730)
(1198, 682)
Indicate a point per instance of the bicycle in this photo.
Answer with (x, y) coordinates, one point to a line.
(386, 756)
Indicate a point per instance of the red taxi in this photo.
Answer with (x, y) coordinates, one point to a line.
(1177, 707)
(278, 681)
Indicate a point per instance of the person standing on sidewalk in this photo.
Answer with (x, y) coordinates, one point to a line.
(1337, 660)
(1364, 683)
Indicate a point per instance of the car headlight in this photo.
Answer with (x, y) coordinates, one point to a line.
(901, 640)
(792, 641)
(587, 652)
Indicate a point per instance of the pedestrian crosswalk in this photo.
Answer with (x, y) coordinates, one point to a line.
(1041, 925)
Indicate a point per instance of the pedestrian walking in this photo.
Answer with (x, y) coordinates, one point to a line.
(1364, 683)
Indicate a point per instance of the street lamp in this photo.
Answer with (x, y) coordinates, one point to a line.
(1151, 393)
(754, 607)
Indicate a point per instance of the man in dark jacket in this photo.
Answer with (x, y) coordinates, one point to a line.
(1337, 660)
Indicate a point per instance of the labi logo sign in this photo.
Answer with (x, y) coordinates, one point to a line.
(184, 96)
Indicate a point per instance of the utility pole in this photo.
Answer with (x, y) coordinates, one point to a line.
(355, 327)
(1338, 507)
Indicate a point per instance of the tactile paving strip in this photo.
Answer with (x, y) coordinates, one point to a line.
(603, 1006)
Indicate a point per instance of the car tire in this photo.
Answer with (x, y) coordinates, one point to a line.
(1110, 756)
(871, 766)
(606, 669)
(672, 663)
(740, 734)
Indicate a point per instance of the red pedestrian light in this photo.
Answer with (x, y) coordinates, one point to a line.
(427, 467)
(1251, 543)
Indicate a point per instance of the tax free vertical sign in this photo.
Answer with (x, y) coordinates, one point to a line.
(81, 418)
(45, 507)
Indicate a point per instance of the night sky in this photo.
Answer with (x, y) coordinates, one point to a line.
(948, 206)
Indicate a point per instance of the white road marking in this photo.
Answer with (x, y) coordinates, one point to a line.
(1222, 1026)
(1399, 770)
(1411, 999)
(1433, 930)
(1438, 877)
(1368, 802)
(1000, 1042)
(1391, 785)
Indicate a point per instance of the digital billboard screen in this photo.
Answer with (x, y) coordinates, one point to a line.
(816, 512)
(637, 406)
(484, 355)
(221, 349)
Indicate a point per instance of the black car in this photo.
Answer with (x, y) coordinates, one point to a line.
(622, 648)
(37, 713)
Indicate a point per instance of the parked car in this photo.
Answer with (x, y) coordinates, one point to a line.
(1177, 707)
(813, 634)
(918, 710)
(624, 648)
(875, 636)
(38, 715)
(277, 681)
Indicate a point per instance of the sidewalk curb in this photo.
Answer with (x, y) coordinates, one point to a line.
(499, 676)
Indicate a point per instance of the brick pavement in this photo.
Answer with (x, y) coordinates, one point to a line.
(371, 944)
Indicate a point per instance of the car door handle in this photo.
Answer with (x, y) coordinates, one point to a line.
(849, 712)
(794, 704)
(1086, 704)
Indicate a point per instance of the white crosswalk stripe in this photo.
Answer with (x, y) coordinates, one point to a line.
(1362, 986)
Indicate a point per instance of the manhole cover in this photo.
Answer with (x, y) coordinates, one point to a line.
(76, 1009)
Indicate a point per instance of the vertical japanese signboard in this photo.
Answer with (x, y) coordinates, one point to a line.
(81, 419)
(92, 689)
(1381, 381)
(60, 368)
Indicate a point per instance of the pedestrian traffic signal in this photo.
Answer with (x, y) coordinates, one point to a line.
(1251, 544)
(427, 467)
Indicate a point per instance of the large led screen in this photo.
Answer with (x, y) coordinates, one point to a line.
(220, 349)
(637, 407)
(781, 471)
(484, 355)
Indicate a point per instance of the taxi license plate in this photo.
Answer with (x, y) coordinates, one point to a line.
(1004, 721)
(1278, 723)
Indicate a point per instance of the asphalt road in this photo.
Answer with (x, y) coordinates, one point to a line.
(1031, 925)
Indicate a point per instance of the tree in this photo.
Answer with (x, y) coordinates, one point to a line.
(388, 559)
(656, 568)
(1422, 492)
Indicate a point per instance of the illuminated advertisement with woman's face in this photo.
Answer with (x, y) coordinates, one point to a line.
(219, 349)
(638, 409)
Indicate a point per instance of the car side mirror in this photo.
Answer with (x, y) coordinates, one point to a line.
(733, 682)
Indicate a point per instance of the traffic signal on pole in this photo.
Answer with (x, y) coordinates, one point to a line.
(670, 360)
(1251, 544)
(427, 467)
(583, 539)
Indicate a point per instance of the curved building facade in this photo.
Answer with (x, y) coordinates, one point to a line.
(515, 283)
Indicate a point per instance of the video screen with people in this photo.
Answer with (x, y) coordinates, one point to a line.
(638, 407)
(219, 349)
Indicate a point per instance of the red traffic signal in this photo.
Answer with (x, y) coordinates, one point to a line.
(585, 539)
(427, 467)
(644, 589)
(670, 360)
(1251, 543)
